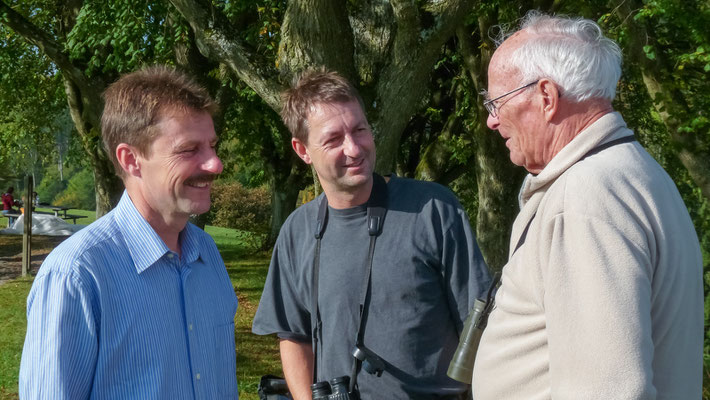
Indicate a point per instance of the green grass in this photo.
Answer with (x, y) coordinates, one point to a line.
(12, 333)
(256, 355)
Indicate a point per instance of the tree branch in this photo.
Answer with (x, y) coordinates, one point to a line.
(448, 15)
(407, 33)
(90, 88)
(51, 49)
(216, 40)
(403, 82)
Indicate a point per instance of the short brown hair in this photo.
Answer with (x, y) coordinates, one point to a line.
(312, 87)
(135, 104)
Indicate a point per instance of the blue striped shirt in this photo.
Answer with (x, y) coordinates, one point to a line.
(114, 314)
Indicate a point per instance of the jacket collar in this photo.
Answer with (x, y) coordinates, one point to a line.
(609, 127)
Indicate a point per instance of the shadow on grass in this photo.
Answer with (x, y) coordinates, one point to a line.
(256, 356)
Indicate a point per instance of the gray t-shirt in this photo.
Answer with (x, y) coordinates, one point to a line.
(427, 271)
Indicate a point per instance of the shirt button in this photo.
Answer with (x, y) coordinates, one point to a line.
(197, 377)
(170, 255)
(189, 327)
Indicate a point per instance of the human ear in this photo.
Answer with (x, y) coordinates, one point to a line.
(550, 98)
(301, 150)
(128, 159)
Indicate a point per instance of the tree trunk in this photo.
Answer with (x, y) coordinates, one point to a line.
(316, 33)
(285, 184)
(498, 186)
(107, 185)
(498, 179)
(283, 202)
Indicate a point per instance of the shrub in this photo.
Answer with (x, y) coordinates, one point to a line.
(50, 186)
(237, 207)
(80, 192)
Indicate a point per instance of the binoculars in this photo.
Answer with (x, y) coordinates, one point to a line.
(334, 389)
(461, 366)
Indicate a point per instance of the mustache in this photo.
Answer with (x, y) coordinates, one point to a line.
(201, 178)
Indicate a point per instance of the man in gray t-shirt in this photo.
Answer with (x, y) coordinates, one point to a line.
(426, 267)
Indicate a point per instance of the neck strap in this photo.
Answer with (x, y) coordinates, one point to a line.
(376, 212)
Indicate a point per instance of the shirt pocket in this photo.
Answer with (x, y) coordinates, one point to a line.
(226, 356)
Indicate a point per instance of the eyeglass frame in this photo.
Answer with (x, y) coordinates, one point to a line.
(493, 109)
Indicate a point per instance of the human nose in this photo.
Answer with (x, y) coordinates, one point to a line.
(493, 122)
(213, 164)
(351, 147)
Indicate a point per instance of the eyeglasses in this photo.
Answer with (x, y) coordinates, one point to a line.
(491, 106)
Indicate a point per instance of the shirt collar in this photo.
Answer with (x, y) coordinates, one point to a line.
(190, 243)
(144, 244)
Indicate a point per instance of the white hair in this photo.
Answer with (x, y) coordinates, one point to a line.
(572, 52)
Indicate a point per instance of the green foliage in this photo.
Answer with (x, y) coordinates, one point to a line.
(122, 35)
(31, 98)
(680, 34)
(80, 192)
(237, 207)
(50, 185)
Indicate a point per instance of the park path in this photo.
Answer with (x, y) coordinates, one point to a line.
(11, 254)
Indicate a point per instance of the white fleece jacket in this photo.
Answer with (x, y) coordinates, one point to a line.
(604, 300)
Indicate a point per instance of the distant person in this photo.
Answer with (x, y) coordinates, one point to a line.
(602, 297)
(138, 305)
(35, 198)
(426, 269)
(8, 201)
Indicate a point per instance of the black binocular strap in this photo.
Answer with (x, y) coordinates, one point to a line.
(376, 211)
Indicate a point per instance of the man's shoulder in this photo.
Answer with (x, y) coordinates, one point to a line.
(413, 191)
(614, 182)
(97, 238)
(612, 169)
(303, 218)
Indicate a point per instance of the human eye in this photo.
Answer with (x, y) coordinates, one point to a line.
(187, 150)
(362, 129)
(332, 141)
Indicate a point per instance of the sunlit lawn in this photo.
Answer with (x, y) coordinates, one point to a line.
(256, 355)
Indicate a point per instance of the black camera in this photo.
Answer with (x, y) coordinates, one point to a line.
(334, 389)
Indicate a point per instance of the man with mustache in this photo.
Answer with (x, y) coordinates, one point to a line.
(396, 263)
(138, 305)
(602, 297)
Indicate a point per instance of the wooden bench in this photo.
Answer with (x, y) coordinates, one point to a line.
(11, 217)
(72, 217)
